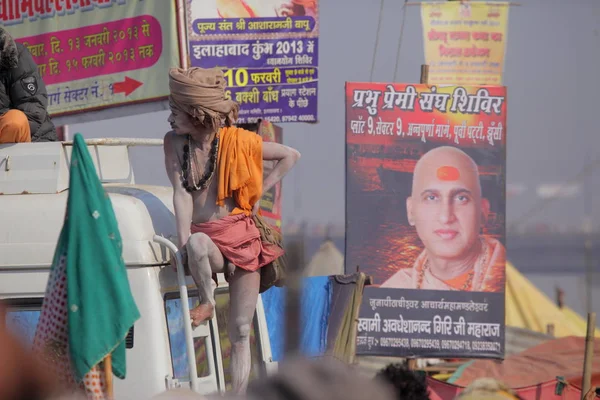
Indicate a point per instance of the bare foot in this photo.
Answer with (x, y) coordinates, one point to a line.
(201, 313)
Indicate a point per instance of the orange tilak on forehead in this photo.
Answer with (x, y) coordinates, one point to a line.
(448, 173)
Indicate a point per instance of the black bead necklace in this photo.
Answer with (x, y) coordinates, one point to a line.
(187, 166)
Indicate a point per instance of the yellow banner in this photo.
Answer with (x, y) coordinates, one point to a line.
(465, 42)
(94, 54)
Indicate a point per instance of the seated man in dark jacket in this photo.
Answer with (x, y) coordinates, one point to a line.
(23, 97)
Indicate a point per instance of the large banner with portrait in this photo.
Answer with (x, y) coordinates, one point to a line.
(268, 50)
(118, 54)
(425, 215)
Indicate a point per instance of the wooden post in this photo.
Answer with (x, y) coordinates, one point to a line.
(424, 74)
(293, 298)
(412, 364)
(108, 375)
(589, 354)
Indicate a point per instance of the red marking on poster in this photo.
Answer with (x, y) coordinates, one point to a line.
(448, 173)
(128, 86)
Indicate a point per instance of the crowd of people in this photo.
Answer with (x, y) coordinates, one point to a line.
(23, 378)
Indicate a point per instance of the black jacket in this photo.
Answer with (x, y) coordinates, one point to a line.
(22, 88)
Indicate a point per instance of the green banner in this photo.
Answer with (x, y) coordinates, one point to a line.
(94, 54)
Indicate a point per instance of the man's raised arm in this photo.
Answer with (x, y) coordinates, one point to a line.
(182, 200)
(285, 156)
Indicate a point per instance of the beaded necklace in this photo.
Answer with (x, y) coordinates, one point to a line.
(188, 166)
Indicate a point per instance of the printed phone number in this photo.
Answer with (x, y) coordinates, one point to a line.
(439, 344)
(285, 118)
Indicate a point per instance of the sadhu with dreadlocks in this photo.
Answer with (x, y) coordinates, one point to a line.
(216, 170)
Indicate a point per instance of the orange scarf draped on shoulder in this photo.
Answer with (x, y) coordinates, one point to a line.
(240, 169)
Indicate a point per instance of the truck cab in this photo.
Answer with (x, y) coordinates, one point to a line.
(163, 352)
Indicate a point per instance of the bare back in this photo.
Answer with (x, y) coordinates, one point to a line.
(203, 201)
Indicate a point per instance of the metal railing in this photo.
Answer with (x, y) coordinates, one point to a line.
(187, 321)
(119, 142)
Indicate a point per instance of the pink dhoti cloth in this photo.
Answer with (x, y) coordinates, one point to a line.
(238, 239)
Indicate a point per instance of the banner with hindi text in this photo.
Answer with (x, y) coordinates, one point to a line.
(465, 42)
(268, 50)
(94, 54)
(425, 216)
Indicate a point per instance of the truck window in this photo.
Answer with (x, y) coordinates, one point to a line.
(222, 310)
(177, 339)
(22, 318)
(23, 315)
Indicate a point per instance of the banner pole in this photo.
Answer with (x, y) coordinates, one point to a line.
(412, 364)
(108, 376)
(424, 74)
(589, 355)
(293, 326)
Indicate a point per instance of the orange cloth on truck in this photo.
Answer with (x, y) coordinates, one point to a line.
(240, 169)
(14, 127)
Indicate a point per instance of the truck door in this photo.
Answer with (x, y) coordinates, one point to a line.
(209, 376)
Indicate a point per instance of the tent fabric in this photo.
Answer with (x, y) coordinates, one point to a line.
(561, 357)
(343, 319)
(327, 261)
(527, 307)
(315, 306)
(577, 321)
(547, 391)
(459, 371)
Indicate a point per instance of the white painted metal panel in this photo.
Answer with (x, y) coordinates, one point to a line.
(30, 225)
(32, 168)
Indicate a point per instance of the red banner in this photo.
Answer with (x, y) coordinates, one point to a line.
(270, 203)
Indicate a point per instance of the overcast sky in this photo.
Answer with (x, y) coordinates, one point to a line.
(551, 72)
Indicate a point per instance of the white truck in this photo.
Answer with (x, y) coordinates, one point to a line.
(163, 351)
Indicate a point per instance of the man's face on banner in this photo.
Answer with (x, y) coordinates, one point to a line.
(446, 206)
